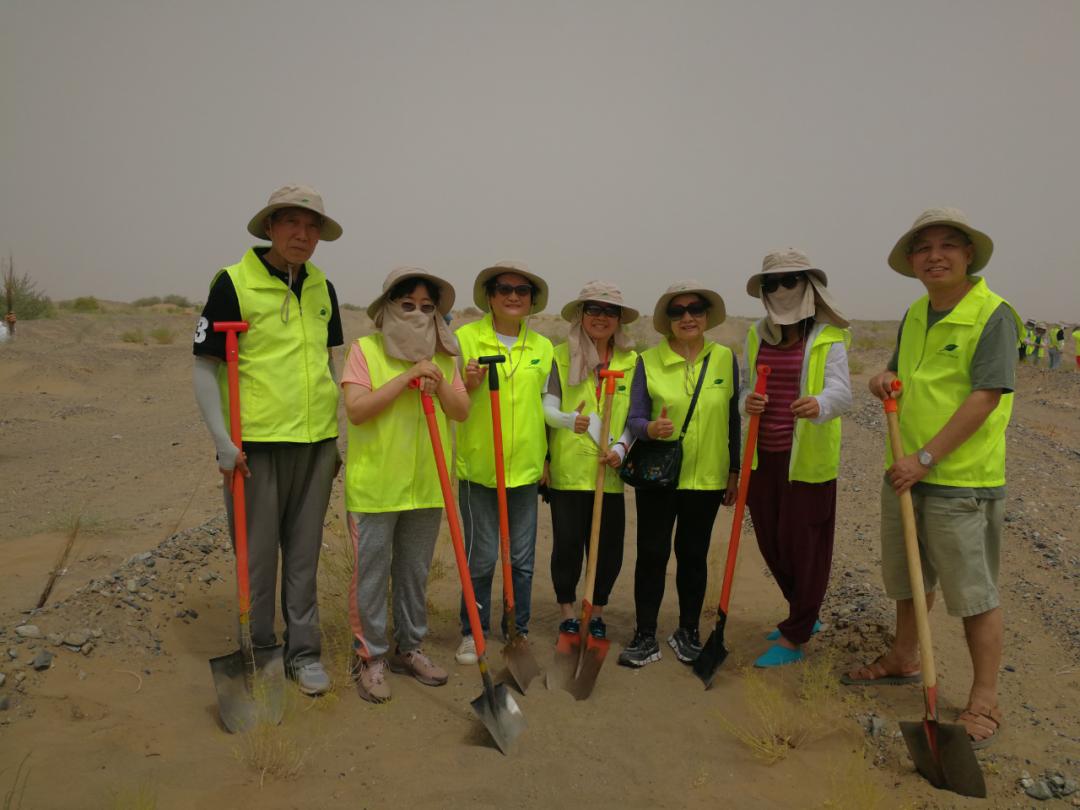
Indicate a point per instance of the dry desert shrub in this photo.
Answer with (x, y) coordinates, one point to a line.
(162, 335)
(13, 797)
(133, 336)
(852, 785)
(143, 797)
(272, 750)
(335, 585)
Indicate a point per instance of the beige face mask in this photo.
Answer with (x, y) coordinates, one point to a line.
(786, 306)
(415, 335)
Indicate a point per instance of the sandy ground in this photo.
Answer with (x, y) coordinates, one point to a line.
(101, 437)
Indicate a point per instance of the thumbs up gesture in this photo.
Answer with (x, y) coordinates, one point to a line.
(661, 427)
(581, 422)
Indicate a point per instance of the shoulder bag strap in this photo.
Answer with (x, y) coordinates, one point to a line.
(693, 401)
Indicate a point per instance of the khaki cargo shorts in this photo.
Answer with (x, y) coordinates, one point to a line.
(959, 544)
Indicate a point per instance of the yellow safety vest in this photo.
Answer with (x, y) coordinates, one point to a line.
(1055, 341)
(934, 366)
(287, 393)
(1029, 341)
(574, 456)
(1076, 341)
(390, 466)
(706, 461)
(815, 449)
(522, 379)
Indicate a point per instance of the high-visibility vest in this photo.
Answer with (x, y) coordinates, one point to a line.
(287, 393)
(1076, 341)
(934, 366)
(522, 380)
(706, 461)
(815, 449)
(1029, 341)
(1057, 336)
(574, 456)
(390, 466)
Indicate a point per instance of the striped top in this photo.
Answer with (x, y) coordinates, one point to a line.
(777, 422)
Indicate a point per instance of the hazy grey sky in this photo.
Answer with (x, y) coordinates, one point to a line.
(636, 141)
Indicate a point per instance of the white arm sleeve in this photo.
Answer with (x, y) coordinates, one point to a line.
(208, 397)
(553, 414)
(835, 396)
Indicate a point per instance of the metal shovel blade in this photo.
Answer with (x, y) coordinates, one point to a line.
(588, 667)
(942, 753)
(567, 652)
(499, 714)
(520, 662)
(249, 690)
(713, 654)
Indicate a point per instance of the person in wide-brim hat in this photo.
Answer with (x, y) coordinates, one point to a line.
(715, 316)
(295, 197)
(983, 245)
(482, 285)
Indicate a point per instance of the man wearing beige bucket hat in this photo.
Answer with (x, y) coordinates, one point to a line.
(394, 519)
(955, 356)
(288, 405)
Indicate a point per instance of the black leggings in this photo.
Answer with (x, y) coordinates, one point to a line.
(691, 513)
(571, 521)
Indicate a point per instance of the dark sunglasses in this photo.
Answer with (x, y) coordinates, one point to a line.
(676, 311)
(771, 284)
(596, 310)
(409, 306)
(521, 290)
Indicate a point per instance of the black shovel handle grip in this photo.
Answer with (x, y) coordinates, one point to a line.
(490, 360)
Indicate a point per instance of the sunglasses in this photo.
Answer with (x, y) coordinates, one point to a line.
(521, 290)
(409, 306)
(597, 310)
(771, 284)
(697, 309)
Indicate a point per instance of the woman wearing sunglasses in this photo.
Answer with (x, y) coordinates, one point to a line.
(394, 519)
(508, 293)
(803, 339)
(664, 383)
(573, 408)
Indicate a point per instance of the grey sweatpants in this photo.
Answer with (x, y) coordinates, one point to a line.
(286, 499)
(391, 548)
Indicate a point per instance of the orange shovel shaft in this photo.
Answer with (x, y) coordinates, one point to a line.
(500, 489)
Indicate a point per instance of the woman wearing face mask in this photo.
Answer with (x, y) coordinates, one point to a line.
(664, 382)
(803, 339)
(392, 487)
(573, 408)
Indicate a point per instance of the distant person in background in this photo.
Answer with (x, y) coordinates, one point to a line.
(288, 405)
(1076, 345)
(1027, 340)
(1056, 337)
(954, 356)
(1040, 343)
(8, 330)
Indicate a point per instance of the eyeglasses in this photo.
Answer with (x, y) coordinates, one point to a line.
(409, 306)
(771, 284)
(521, 290)
(598, 310)
(697, 309)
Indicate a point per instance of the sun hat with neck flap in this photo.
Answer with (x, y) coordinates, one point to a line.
(540, 297)
(952, 217)
(399, 274)
(602, 292)
(784, 262)
(714, 317)
(295, 196)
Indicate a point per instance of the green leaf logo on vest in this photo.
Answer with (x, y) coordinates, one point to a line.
(322, 311)
(534, 361)
(949, 350)
(620, 387)
(718, 381)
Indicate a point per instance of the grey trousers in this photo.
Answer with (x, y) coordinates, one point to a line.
(391, 548)
(286, 499)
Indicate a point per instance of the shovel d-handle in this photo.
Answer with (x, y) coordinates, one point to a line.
(232, 367)
(914, 564)
(491, 360)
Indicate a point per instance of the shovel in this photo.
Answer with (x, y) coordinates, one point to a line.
(577, 664)
(713, 651)
(250, 681)
(519, 659)
(941, 752)
(495, 707)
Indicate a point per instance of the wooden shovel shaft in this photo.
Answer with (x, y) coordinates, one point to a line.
(598, 495)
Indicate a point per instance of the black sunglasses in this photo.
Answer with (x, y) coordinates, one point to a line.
(522, 290)
(771, 284)
(676, 311)
(409, 306)
(596, 310)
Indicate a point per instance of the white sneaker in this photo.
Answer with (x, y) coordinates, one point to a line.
(466, 651)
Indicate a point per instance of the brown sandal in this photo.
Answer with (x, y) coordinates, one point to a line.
(879, 676)
(982, 727)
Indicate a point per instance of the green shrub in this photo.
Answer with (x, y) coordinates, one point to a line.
(162, 335)
(177, 301)
(146, 302)
(86, 303)
(28, 302)
(133, 336)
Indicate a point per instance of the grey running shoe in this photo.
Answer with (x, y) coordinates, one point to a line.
(421, 667)
(686, 644)
(642, 650)
(312, 679)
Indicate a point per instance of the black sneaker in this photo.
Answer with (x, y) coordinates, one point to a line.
(641, 651)
(570, 626)
(597, 628)
(686, 644)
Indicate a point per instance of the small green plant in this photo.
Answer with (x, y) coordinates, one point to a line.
(133, 336)
(162, 335)
(146, 302)
(23, 297)
(86, 303)
(270, 751)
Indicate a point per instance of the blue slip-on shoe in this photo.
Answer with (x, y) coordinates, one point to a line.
(775, 634)
(777, 656)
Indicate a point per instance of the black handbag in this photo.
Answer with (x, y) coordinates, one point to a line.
(655, 463)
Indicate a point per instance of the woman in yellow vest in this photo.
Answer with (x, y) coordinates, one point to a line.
(392, 488)
(803, 339)
(664, 382)
(509, 293)
(1055, 335)
(573, 408)
(1076, 345)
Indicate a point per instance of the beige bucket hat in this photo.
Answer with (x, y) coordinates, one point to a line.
(603, 292)
(716, 315)
(782, 262)
(446, 290)
(480, 294)
(954, 218)
(295, 197)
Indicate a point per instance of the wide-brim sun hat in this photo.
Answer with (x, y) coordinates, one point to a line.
(714, 317)
(540, 297)
(295, 197)
(398, 274)
(602, 292)
(953, 218)
(783, 262)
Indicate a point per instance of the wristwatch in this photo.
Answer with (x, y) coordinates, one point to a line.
(925, 458)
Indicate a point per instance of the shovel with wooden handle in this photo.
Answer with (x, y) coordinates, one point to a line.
(250, 682)
(516, 653)
(941, 752)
